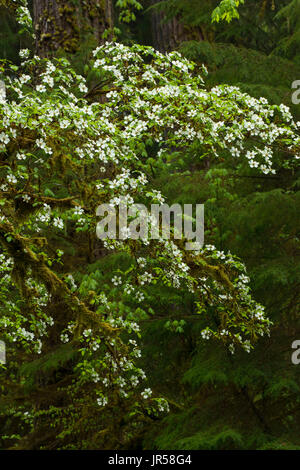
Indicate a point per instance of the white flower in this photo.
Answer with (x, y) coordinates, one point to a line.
(78, 211)
(48, 80)
(64, 123)
(87, 332)
(102, 401)
(24, 79)
(142, 262)
(57, 222)
(42, 144)
(134, 380)
(128, 289)
(116, 280)
(64, 338)
(24, 53)
(82, 87)
(206, 334)
(139, 296)
(12, 179)
(41, 88)
(145, 278)
(4, 138)
(146, 393)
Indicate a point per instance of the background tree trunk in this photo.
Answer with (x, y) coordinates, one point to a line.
(167, 35)
(59, 24)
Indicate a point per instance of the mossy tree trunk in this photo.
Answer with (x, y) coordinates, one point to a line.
(61, 24)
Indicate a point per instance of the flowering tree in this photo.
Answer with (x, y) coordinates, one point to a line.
(64, 150)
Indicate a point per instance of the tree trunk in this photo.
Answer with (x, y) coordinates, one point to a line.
(167, 35)
(59, 24)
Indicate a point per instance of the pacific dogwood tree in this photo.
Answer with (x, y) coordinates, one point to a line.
(65, 149)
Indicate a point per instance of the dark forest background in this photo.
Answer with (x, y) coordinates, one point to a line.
(217, 401)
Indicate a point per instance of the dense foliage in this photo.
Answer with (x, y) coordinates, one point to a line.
(141, 343)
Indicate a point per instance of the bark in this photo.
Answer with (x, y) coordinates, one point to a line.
(167, 35)
(60, 24)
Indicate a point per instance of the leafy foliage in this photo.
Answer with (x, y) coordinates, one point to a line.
(129, 343)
